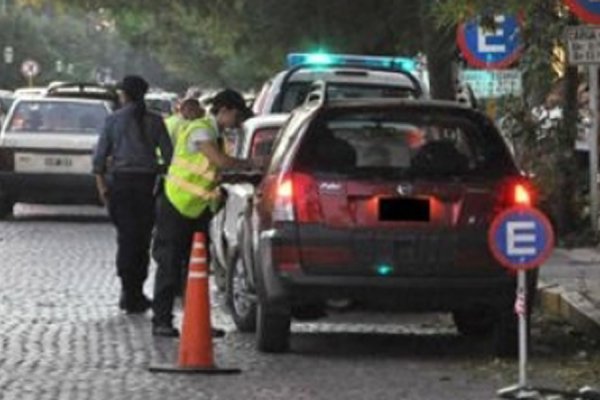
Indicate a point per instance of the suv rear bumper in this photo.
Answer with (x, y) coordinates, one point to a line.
(49, 188)
(402, 293)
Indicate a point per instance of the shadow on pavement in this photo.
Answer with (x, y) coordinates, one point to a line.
(389, 345)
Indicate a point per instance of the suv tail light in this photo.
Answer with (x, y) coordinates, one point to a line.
(515, 192)
(297, 199)
(7, 160)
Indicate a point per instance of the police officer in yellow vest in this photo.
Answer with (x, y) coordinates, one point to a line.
(190, 196)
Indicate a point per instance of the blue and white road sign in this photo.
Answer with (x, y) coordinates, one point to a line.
(587, 10)
(490, 49)
(521, 238)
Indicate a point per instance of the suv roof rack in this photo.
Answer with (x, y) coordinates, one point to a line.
(83, 90)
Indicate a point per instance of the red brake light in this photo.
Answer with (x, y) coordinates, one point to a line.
(285, 190)
(515, 192)
(522, 197)
(297, 196)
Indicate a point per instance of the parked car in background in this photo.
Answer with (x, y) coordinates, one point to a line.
(46, 146)
(255, 143)
(348, 76)
(380, 204)
(161, 102)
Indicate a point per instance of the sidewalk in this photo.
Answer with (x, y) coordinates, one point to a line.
(569, 287)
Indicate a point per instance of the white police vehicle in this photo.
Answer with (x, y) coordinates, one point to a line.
(46, 146)
(347, 77)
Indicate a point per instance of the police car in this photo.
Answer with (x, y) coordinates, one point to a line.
(347, 76)
(46, 146)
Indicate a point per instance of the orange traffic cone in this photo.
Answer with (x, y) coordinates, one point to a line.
(195, 346)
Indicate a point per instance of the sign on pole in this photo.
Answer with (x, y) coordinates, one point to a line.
(30, 69)
(587, 10)
(583, 48)
(493, 84)
(521, 238)
(490, 49)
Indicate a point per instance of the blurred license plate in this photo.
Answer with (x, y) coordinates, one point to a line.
(404, 209)
(52, 163)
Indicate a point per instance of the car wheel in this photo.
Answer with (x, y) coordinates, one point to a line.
(475, 321)
(217, 269)
(272, 329)
(506, 334)
(241, 299)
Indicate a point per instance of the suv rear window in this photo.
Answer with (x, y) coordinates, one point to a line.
(403, 145)
(58, 117)
(296, 92)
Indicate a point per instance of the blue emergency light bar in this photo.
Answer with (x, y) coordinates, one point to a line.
(324, 59)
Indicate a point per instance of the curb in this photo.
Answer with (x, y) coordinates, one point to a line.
(575, 308)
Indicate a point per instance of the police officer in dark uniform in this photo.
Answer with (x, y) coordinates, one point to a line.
(133, 149)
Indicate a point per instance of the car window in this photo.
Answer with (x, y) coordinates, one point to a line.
(403, 145)
(57, 117)
(262, 145)
(296, 92)
(262, 142)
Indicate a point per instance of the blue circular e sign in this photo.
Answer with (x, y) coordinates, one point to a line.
(521, 238)
(586, 10)
(488, 48)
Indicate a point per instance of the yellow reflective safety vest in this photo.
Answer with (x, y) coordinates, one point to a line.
(191, 181)
(174, 124)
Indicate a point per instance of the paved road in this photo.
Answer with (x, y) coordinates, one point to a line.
(62, 337)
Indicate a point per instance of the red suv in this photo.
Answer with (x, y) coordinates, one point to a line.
(381, 204)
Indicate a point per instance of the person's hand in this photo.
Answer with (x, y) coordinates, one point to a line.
(103, 194)
(102, 190)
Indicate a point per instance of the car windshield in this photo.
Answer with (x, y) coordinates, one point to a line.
(403, 145)
(58, 117)
(296, 92)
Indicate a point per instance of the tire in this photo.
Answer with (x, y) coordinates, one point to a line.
(506, 334)
(474, 322)
(241, 299)
(272, 329)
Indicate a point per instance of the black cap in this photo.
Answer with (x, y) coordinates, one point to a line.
(135, 87)
(231, 99)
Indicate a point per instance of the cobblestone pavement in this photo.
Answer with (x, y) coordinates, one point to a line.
(62, 337)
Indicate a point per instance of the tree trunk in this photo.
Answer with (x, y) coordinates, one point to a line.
(440, 48)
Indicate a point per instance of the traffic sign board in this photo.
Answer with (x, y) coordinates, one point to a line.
(30, 68)
(488, 49)
(587, 10)
(521, 238)
(583, 44)
(493, 84)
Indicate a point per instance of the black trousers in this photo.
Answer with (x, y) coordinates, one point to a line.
(131, 207)
(171, 251)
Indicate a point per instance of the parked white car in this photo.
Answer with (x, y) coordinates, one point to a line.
(255, 143)
(46, 146)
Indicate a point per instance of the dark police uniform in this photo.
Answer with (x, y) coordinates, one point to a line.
(129, 156)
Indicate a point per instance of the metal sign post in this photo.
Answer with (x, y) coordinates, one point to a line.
(583, 43)
(520, 239)
(521, 310)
